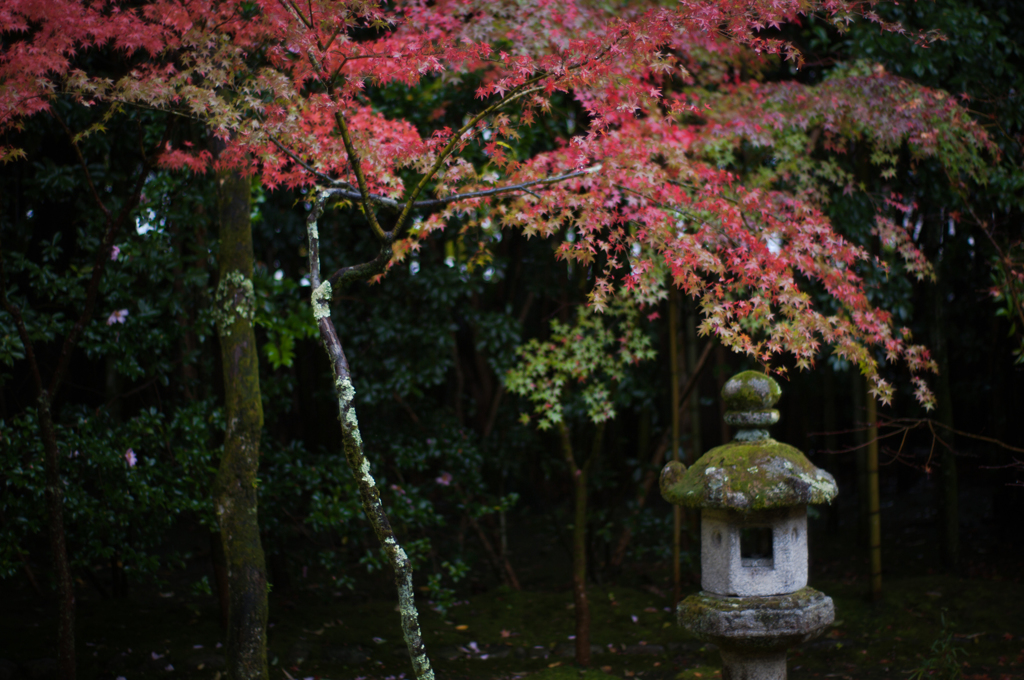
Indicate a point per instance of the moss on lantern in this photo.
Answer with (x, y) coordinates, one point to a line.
(751, 391)
(753, 472)
(767, 622)
(757, 475)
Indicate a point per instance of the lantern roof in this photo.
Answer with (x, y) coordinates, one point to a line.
(752, 472)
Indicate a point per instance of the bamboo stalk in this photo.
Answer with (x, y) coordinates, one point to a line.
(677, 511)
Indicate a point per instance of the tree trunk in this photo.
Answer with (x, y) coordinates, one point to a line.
(58, 544)
(579, 543)
(235, 487)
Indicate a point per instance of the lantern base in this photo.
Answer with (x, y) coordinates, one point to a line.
(746, 667)
(754, 633)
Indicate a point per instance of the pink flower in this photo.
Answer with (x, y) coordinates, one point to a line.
(114, 252)
(117, 316)
(130, 458)
(445, 479)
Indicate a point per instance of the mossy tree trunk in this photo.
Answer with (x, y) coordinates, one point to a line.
(235, 486)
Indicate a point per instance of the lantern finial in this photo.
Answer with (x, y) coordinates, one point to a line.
(749, 397)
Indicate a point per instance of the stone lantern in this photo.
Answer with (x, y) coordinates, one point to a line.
(753, 494)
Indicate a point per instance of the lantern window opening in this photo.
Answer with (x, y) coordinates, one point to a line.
(757, 547)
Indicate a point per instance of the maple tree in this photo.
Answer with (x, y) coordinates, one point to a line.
(650, 188)
(593, 355)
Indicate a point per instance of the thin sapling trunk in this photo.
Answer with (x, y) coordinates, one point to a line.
(353, 446)
(581, 605)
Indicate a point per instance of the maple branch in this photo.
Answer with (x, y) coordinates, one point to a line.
(520, 91)
(346, 276)
(289, 5)
(655, 201)
(364, 191)
(517, 93)
(324, 48)
(85, 166)
(305, 166)
(437, 202)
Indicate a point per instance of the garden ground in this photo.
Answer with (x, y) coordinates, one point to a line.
(171, 632)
